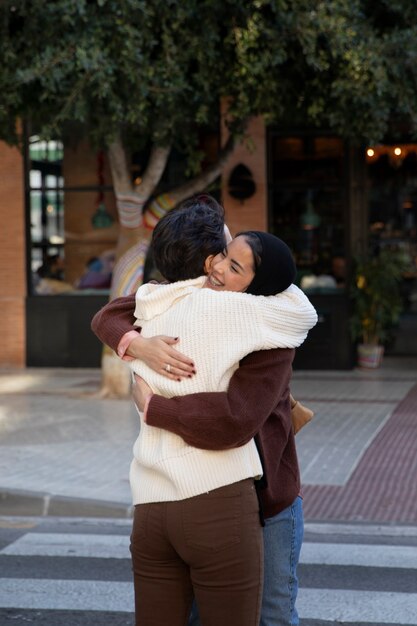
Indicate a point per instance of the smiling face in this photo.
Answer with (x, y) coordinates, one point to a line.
(232, 269)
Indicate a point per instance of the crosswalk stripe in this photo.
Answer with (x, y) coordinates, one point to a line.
(332, 605)
(404, 557)
(368, 607)
(117, 547)
(77, 595)
(70, 545)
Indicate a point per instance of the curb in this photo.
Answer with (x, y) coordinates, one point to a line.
(32, 503)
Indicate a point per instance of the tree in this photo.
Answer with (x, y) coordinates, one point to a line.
(130, 74)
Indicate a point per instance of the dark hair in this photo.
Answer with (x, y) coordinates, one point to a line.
(186, 236)
(255, 245)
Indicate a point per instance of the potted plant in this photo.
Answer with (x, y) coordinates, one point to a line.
(377, 303)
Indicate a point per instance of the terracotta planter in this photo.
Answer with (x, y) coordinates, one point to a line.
(369, 355)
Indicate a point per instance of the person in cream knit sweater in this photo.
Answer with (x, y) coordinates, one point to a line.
(186, 495)
(218, 328)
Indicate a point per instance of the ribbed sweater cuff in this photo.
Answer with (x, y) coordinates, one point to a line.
(161, 411)
(124, 344)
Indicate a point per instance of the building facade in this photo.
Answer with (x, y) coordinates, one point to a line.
(13, 285)
(326, 197)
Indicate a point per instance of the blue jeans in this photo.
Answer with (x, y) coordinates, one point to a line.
(283, 536)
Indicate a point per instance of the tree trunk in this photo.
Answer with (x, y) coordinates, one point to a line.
(115, 376)
(135, 234)
(131, 249)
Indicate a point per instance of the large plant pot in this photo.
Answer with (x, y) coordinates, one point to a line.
(370, 355)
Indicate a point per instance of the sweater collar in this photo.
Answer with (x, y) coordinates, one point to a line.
(153, 299)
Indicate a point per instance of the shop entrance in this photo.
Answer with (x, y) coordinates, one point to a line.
(392, 201)
(309, 179)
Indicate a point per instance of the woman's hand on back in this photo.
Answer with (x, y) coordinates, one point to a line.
(159, 354)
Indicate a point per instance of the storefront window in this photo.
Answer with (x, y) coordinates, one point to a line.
(71, 249)
(72, 211)
(307, 209)
(392, 195)
(46, 210)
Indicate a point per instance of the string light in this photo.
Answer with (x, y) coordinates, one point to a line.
(396, 154)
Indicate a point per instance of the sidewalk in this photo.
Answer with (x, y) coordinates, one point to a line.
(65, 452)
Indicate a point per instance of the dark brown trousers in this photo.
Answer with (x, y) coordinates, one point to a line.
(210, 547)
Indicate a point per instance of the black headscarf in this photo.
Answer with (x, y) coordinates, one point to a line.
(276, 271)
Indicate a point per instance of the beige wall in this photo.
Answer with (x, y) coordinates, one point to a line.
(12, 258)
(251, 213)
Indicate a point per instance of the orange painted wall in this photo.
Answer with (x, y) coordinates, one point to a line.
(12, 258)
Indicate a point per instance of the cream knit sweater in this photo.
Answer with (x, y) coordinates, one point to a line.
(216, 329)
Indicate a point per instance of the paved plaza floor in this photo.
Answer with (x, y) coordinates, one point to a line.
(65, 451)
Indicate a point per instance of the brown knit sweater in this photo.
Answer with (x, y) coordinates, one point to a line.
(255, 404)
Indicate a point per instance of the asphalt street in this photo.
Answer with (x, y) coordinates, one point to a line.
(58, 571)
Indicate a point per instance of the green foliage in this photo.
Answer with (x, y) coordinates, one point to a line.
(155, 70)
(136, 66)
(376, 296)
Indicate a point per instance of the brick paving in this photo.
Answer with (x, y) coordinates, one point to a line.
(383, 486)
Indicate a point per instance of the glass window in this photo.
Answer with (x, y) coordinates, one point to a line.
(67, 253)
(46, 211)
(306, 189)
(392, 201)
(73, 215)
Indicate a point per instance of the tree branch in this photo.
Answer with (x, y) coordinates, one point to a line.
(119, 167)
(204, 179)
(154, 170)
(130, 199)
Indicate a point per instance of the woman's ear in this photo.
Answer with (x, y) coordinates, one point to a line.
(207, 263)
